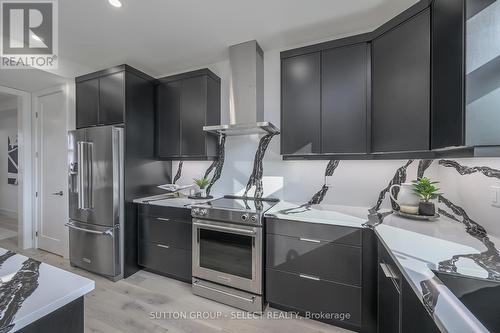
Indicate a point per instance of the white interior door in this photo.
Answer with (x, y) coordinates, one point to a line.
(51, 108)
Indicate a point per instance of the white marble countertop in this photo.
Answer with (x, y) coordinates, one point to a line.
(418, 248)
(167, 200)
(325, 214)
(31, 290)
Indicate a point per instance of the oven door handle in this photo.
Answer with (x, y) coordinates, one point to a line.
(250, 300)
(222, 228)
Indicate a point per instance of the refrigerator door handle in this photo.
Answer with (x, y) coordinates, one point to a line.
(85, 176)
(79, 170)
(108, 232)
(90, 175)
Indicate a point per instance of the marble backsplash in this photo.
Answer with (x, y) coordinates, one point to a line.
(240, 169)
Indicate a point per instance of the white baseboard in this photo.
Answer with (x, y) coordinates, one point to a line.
(8, 213)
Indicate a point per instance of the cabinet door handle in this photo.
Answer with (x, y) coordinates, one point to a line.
(162, 219)
(309, 240)
(388, 271)
(309, 277)
(163, 246)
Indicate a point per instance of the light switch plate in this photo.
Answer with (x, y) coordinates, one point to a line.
(495, 196)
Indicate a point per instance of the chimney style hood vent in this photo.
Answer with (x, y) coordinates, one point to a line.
(246, 105)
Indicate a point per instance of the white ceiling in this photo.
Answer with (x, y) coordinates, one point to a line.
(165, 36)
(29, 79)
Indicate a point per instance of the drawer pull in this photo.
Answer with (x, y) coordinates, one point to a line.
(388, 271)
(162, 219)
(163, 246)
(309, 240)
(309, 277)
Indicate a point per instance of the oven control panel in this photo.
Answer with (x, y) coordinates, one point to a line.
(201, 212)
(249, 218)
(227, 216)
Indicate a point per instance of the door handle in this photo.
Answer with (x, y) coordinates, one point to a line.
(60, 193)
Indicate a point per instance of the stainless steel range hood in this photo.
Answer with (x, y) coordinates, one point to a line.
(246, 105)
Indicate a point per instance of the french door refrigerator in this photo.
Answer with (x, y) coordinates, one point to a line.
(96, 208)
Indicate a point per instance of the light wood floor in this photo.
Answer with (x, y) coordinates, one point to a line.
(8, 227)
(126, 306)
(8, 223)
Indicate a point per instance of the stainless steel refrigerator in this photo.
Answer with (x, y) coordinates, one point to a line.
(96, 200)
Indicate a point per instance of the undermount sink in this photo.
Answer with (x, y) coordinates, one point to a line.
(480, 296)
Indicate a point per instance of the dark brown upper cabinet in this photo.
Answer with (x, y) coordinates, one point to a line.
(301, 104)
(101, 96)
(324, 101)
(112, 98)
(448, 73)
(396, 92)
(401, 87)
(344, 102)
(184, 104)
(87, 103)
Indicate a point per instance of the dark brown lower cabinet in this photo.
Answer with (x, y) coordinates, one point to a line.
(165, 241)
(399, 308)
(290, 254)
(415, 318)
(167, 260)
(68, 319)
(318, 299)
(322, 271)
(389, 294)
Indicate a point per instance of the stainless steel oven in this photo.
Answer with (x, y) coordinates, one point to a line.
(228, 254)
(228, 251)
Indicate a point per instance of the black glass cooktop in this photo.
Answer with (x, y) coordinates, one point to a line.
(243, 204)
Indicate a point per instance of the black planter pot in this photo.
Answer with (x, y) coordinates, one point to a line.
(427, 209)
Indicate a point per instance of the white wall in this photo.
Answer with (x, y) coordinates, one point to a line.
(8, 193)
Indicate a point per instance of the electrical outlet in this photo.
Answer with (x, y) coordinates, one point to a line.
(495, 196)
(328, 181)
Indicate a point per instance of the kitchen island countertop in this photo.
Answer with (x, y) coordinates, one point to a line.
(31, 289)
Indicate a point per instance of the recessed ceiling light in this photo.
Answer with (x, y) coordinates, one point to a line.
(115, 3)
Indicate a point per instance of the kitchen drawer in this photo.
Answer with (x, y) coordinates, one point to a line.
(326, 260)
(167, 260)
(166, 231)
(291, 291)
(167, 212)
(316, 231)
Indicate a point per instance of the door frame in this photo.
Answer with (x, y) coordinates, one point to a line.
(25, 171)
(68, 91)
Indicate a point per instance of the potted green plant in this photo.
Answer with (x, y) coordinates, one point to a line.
(202, 184)
(426, 190)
